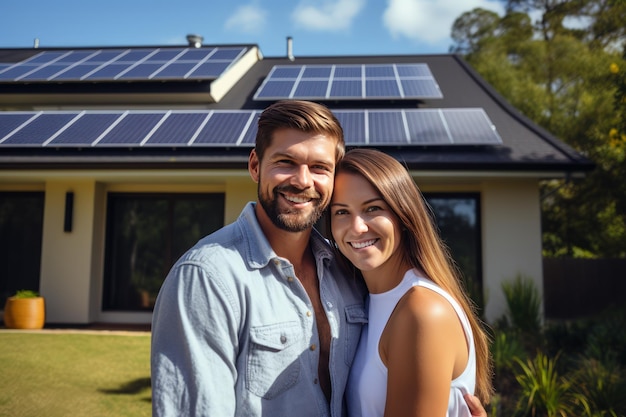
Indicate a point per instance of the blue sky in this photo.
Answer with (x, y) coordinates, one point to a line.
(318, 27)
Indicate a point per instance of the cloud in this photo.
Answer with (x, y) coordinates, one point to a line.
(248, 19)
(429, 21)
(330, 16)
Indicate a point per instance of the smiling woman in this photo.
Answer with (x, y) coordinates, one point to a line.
(423, 345)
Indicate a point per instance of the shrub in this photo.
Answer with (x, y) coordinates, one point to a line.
(524, 304)
(544, 393)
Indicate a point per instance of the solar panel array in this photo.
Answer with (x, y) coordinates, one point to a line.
(122, 64)
(349, 82)
(233, 128)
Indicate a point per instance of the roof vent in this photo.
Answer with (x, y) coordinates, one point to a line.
(290, 48)
(195, 40)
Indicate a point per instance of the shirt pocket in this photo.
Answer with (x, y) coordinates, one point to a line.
(356, 317)
(273, 358)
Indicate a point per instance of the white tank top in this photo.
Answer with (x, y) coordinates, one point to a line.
(367, 384)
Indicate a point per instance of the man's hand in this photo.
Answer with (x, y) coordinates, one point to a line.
(475, 406)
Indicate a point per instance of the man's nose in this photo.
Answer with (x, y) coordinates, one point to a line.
(303, 179)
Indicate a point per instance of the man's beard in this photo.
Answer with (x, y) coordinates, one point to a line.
(288, 220)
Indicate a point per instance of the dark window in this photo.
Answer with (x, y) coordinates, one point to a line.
(146, 234)
(458, 218)
(21, 226)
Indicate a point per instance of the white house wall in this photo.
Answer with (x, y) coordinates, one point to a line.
(511, 239)
(66, 257)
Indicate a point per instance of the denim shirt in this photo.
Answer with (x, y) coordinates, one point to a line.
(234, 332)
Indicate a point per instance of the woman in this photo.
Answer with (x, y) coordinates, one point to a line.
(424, 347)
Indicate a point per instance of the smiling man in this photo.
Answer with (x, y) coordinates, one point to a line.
(257, 319)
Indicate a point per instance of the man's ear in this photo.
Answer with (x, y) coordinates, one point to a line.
(253, 165)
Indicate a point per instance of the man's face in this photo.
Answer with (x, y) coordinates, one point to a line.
(295, 178)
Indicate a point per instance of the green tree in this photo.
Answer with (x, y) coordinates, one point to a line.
(559, 71)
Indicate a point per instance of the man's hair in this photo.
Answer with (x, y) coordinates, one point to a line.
(305, 116)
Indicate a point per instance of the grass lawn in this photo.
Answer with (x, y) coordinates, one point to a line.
(59, 374)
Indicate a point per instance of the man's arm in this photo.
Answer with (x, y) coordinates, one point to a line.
(475, 406)
(193, 347)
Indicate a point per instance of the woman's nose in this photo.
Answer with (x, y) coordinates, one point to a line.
(359, 224)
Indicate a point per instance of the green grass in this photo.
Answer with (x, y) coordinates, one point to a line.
(74, 374)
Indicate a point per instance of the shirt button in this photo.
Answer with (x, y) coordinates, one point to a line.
(315, 381)
(309, 314)
(313, 347)
(329, 304)
(283, 339)
(290, 279)
(276, 262)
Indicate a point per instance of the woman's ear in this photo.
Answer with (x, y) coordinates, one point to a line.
(253, 166)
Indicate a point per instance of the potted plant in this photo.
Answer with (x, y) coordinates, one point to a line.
(25, 310)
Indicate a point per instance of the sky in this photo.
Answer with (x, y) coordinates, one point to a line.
(317, 27)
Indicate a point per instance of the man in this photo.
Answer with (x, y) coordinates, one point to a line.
(257, 319)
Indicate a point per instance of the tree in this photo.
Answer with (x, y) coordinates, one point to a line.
(558, 72)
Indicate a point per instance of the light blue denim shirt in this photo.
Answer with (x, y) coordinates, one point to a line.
(234, 333)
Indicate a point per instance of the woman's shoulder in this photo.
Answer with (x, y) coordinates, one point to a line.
(425, 309)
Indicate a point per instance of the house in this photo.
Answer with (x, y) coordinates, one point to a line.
(114, 160)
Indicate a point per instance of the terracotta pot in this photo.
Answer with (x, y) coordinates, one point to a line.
(25, 313)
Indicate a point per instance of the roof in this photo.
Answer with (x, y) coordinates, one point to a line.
(511, 143)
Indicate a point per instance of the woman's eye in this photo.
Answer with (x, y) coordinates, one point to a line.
(340, 212)
(372, 208)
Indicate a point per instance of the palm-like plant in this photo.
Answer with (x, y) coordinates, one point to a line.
(544, 393)
(504, 349)
(524, 304)
(603, 385)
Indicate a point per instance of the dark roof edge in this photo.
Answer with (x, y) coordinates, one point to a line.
(240, 162)
(568, 151)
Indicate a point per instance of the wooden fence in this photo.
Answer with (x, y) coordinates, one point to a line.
(575, 288)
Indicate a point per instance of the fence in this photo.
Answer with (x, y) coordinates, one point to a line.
(575, 288)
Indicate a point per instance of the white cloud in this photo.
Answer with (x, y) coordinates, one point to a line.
(429, 21)
(248, 19)
(327, 15)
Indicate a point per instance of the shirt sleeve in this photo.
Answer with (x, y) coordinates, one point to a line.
(194, 346)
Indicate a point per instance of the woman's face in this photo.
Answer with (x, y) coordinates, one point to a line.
(367, 232)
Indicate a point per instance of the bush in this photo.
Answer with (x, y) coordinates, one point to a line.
(577, 368)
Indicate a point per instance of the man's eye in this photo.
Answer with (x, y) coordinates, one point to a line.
(320, 168)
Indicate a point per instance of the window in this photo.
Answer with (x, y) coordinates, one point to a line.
(458, 218)
(146, 234)
(21, 226)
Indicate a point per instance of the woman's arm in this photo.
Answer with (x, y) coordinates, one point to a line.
(424, 348)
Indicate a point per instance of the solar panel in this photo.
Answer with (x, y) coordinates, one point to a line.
(386, 127)
(85, 130)
(349, 82)
(122, 64)
(426, 126)
(133, 129)
(39, 129)
(211, 128)
(225, 127)
(178, 129)
(402, 127)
